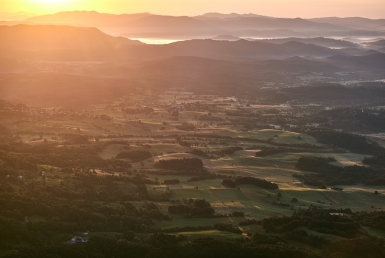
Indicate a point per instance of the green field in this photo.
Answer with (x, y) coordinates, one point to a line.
(156, 132)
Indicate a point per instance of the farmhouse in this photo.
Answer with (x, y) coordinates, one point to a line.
(77, 239)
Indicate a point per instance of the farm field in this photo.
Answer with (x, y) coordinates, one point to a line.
(135, 132)
(110, 158)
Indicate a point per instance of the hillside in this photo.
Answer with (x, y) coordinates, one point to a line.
(97, 66)
(365, 62)
(55, 42)
(241, 49)
(353, 22)
(60, 42)
(319, 41)
(84, 18)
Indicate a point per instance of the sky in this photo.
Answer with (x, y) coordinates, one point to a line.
(278, 8)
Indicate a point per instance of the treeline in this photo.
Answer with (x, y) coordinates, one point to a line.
(193, 208)
(19, 155)
(224, 139)
(232, 183)
(220, 227)
(171, 182)
(221, 153)
(352, 142)
(208, 177)
(243, 113)
(377, 161)
(228, 151)
(68, 215)
(185, 164)
(159, 245)
(354, 120)
(317, 219)
(11, 161)
(303, 237)
(328, 174)
(373, 219)
(44, 239)
(135, 155)
(268, 151)
(141, 110)
(316, 164)
(186, 127)
(201, 153)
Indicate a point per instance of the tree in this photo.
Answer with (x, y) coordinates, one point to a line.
(128, 235)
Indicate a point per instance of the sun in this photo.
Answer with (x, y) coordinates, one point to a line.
(50, 1)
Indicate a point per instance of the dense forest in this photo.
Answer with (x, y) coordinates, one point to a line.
(185, 164)
(352, 142)
(328, 174)
(232, 183)
(279, 231)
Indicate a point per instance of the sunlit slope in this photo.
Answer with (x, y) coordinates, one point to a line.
(59, 43)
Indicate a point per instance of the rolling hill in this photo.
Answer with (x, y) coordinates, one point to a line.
(60, 42)
(319, 41)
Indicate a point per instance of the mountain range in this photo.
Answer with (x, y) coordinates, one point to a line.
(46, 64)
(60, 43)
(146, 25)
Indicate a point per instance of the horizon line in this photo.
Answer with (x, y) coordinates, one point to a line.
(195, 15)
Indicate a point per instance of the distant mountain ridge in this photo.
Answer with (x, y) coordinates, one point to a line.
(50, 64)
(353, 22)
(211, 24)
(55, 41)
(230, 15)
(84, 18)
(319, 41)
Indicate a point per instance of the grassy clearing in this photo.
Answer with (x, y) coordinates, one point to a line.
(326, 236)
(35, 218)
(280, 136)
(375, 232)
(356, 199)
(379, 138)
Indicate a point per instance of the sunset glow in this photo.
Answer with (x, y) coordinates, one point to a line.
(50, 1)
(192, 128)
(276, 8)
